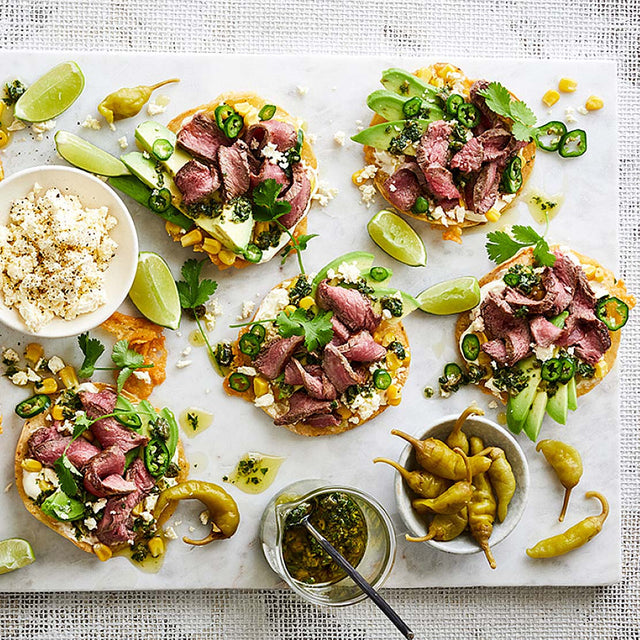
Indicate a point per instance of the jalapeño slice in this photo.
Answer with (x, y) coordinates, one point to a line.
(468, 115)
(267, 112)
(613, 312)
(512, 176)
(453, 104)
(249, 345)
(573, 144)
(471, 347)
(551, 370)
(159, 200)
(548, 135)
(156, 457)
(239, 382)
(33, 406)
(381, 379)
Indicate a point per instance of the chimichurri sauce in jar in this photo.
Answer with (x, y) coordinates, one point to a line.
(339, 519)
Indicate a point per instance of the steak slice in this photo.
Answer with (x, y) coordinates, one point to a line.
(433, 147)
(514, 297)
(103, 475)
(281, 134)
(403, 187)
(501, 324)
(340, 332)
(317, 386)
(297, 195)
(561, 278)
(362, 348)
(440, 184)
(327, 420)
(301, 407)
(270, 171)
(202, 138)
(496, 144)
(338, 369)
(496, 349)
(46, 445)
(109, 432)
(196, 182)
(274, 355)
(469, 159)
(234, 170)
(352, 308)
(544, 332)
(485, 188)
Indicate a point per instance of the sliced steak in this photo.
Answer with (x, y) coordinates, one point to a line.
(433, 147)
(234, 170)
(301, 407)
(485, 188)
(80, 452)
(440, 184)
(49, 451)
(100, 403)
(469, 159)
(544, 332)
(496, 349)
(269, 171)
(362, 348)
(109, 432)
(321, 421)
(103, 475)
(317, 386)
(403, 187)
(338, 369)
(273, 357)
(496, 144)
(46, 445)
(489, 118)
(501, 324)
(281, 134)
(340, 332)
(202, 138)
(517, 299)
(561, 278)
(352, 308)
(196, 182)
(297, 195)
(518, 342)
(292, 375)
(595, 343)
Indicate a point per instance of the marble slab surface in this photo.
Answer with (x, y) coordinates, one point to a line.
(337, 87)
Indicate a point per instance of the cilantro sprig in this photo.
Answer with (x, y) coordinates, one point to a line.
(194, 293)
(501, 102)
(502, 245)
(267, 208)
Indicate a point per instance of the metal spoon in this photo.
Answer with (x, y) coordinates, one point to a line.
(339, 559)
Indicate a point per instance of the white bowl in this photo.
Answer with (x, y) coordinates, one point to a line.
(492, 435)
(93, 193)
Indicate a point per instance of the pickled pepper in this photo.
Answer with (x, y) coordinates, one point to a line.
(502, 480)
(422, 482)
(457, 437)
(444, 528)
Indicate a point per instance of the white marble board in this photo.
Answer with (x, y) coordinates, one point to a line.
(335, 101)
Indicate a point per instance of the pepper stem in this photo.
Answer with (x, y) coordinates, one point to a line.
(603, 501)
(400, 469)
(565, 503)
(484, 545)
(472, 410)
(153, 87)
(405, 436)
(429, 536)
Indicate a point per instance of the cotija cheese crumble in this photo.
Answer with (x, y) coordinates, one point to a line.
(53, 256)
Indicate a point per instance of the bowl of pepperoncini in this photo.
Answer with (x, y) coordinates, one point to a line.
(463, 484)
(353, 522)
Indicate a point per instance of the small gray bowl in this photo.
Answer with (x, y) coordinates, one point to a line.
(492, 435)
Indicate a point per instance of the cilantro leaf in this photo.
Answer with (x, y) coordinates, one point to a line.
(123, 376)
(266, 206)
(500, 101)
(92, 349)
(81, 423)
(317, 330)
(521, 113)
(542, 254)
(501, 246)
(192, 291)
(521, 132)
(301, 244)
(524, 234)
(123, 357)
(68, 483)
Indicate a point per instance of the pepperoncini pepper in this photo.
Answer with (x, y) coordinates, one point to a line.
(436, 457)
(444, 528)
(223, 510)
(422, 482)
(482, 508)
(128, 101)
(567, 464)
(574, 537)
(453, 499)
(457, 437)
(502, 480)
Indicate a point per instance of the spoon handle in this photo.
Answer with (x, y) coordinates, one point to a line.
(380, 602)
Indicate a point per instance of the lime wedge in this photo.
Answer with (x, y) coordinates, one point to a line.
(15, 553)
(154, 291)
(397, 238)
(51, 94)
(451, 296)
(87, 156)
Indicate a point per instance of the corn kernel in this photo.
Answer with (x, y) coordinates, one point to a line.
(598, 276)
(45, 485)
(394, 395)
(138, 509)
(34, 352)
(289, 309)
(47, 386)
(393, 362)
(356, 179)
(227, 257)
(4, 138)
(589, 271)
(172, 229)
(212, 246)
(425, 74)
(446, 70)
(69, 377)
(344, 412)
(57, 412)
(103, 552)
(156, 546)
(191, 238)
(307, 302)
(388, 339)
(601, 368)
(550, 97)
(567, 85)
(593, 103)
(493, 215)
(29, 464)
(260, 386)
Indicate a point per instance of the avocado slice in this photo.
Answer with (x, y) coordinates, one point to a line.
(518, 406)
(233, 234)
(146, 170)
(406, 84)
(381, 135)
(533, 423)
(409, 303)
(390, 105)
(558, 404)
(572, 392)
(362, 259)
(148, 132)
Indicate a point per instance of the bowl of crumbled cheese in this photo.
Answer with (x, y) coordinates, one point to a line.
(68, 251)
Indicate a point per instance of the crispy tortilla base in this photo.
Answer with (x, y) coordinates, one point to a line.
(616, 288)
(22, 453)
(233, 99)
(386, 327)
(527, 154)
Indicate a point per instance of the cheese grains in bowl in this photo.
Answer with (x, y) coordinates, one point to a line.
(68, 251)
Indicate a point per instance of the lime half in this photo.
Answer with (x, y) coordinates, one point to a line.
(154, 291)
(87, 156)
(397, 238)
(15, 553)
(51, 94)
(451, 296)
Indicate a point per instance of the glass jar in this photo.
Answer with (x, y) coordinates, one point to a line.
(375, 564)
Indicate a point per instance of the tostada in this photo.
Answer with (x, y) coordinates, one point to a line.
(446, 149)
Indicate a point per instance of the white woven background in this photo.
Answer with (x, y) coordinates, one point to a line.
(517, 28)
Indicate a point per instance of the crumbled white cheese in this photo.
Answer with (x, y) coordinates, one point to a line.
(570, 115)
(348, 272)
(247, 371)
(277, 299)
(386, 161)
(90, 523)
(364, 406)
(150, 502)
(66, 427)
(265, 400)
(32, 376)
(582, 110)
(302, 91)
(367, 173)
(386, 314)
(146, 516)
(16, 125)
(493, 405)
(142, 376)
(543, 353)
(20, 379)
(53, 255)
(248, 307)
(212, 311)
(339, 138)
(181, 364)
(123, 142)
(204, 517)
(368, 194)
(158, 106)
(10, 355)
(91, 123)
(393, 188)
(271, 152)
(170, 532)
(55, 364)
(324, 193)
(186, 352)
(40, 128)
(99, 505)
